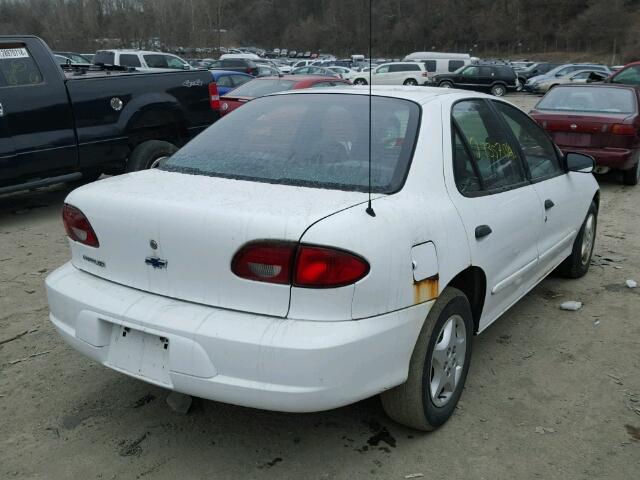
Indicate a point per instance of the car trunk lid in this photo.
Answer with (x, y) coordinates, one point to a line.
(175, 234)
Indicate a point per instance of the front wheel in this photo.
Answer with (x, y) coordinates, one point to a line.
(498, 90)
(438, 367)
(410, 82)
(360, 81)
(576, 265)
(446, 85)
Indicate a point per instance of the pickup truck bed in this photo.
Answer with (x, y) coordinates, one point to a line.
(57, 125)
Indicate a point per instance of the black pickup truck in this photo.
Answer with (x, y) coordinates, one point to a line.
(62, 126)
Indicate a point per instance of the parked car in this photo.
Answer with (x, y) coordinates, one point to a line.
(628, 75)
(268, 85)
(534, 70)
(141, 60)
(267, 71)
(292, 293)
(579, 76)
(236, 64)
(437, 63)
(343, 72)
(395, 73)
(75, 58)
(598, 120)
(227, 80)
(302, 63)
(60, 127)
(496, 79)
(324, 72)
(561, 71)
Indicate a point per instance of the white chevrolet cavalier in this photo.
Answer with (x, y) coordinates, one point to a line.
(247, 270)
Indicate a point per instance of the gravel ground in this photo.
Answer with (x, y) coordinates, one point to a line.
(551, 394)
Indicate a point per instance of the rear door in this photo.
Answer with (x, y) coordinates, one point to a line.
(563, 201)
(36, 112)
(7, 149)
(500, 209)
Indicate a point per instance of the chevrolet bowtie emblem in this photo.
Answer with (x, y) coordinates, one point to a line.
(156, 262)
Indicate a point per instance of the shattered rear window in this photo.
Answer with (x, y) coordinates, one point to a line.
(314, 140)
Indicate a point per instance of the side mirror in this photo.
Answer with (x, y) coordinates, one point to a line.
(579, 162)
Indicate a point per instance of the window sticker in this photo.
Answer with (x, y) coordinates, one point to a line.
(13, 53)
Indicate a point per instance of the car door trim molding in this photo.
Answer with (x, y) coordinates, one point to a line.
(558, 246)
(502, 284)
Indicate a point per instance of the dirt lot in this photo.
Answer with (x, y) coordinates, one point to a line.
(551, 394)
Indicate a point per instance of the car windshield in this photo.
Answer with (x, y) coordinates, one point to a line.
(313, 140)
(589, 99)
(259, 88)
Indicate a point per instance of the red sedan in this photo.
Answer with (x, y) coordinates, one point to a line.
(599, 120)
(267, 85)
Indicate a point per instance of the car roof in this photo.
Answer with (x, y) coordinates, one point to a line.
(420, 95)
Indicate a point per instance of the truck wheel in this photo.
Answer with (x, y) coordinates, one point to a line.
(498, 90)
(631, 176)
(445, 85)
(147, 153)
(577, 264)
(438, 366)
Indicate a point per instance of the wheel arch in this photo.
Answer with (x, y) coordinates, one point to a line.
(473, 283)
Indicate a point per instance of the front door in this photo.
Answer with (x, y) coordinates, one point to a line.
(37, 112)
(500, 209)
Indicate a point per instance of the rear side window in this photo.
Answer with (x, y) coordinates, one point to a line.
(129, 60)
(537, 149)
(17, 67)
(488, 146)
(234, 62)
(259, 88)
(104, 58)
(455, 65)
(599, 99)
(156, 61)
(430, 65)
(224, 81)
(322, 143)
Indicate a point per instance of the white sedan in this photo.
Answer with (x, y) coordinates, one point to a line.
(254, 272)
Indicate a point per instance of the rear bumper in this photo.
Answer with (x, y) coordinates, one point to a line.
(233, 357)
(616, 158)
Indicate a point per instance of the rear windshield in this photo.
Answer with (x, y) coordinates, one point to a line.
(105, 58)
(259, 88)
(589, 99)
(311, 140)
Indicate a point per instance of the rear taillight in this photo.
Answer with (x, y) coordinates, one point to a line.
(78, 227)
(214, 98)
(320, 267)
(622, 129)
(425, 74)
(298, 265)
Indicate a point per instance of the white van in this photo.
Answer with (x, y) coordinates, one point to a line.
(437, 63)
(246, 56)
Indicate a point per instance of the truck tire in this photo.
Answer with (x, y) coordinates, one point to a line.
(446, 84)
(449, 327)
(145, 154)
(498, 90)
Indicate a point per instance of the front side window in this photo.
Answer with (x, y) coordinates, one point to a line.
(470, 71)
(322, 143)
(383, 69)
(17, 67)
(488, 145)
(538, 150)
(175, 63)
(629, 76)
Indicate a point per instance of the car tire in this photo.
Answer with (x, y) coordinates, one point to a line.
(445, 84)
(360, 81)
(148, 154)
(576, 265)
(631, 176)
(498, 90)
(410, 82)
(413, 404)
(520, 84)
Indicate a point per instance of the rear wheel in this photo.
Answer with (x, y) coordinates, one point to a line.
(498, 90)
(149, 154)
(410, 82)
(446, 84)
(577, 264)
(438, 367)
(631, 176)
(360, 81)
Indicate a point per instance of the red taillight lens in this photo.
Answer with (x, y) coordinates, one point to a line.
(265, 262)
(298, 265)
(214, 98)
(78, 227)
(622, 129)
(425, 74)
(319, 267)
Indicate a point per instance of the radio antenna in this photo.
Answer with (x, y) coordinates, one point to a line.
(369, 207)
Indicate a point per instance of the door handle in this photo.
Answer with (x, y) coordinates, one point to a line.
(483, 231)
(548, 204)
